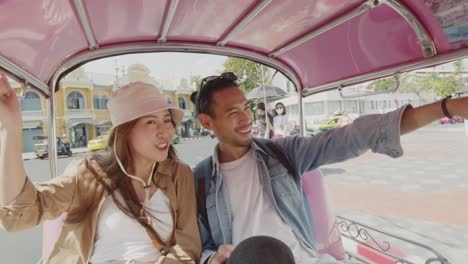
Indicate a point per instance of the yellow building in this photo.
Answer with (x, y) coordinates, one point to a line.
(181, 99)
(81, 110)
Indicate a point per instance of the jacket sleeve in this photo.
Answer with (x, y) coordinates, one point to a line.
(187, 246)
(44, 201)
(378, 132)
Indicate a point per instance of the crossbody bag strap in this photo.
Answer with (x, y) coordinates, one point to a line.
(134, 205)
(279, 154)
(201, 197)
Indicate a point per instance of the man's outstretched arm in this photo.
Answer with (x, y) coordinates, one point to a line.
(418, 117)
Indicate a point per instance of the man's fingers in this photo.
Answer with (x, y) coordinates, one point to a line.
(222, 254)
(226, 250)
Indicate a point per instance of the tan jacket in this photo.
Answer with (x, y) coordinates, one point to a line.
(76, 241)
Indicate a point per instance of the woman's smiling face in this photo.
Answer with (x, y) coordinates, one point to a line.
(151, 136)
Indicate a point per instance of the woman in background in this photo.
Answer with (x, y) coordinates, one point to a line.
(280, 121)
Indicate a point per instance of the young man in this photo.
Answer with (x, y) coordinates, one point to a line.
(250, 196)
(264, 121)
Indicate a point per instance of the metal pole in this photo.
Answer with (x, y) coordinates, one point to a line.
(263, 88)
(52, 134)
(301, 114)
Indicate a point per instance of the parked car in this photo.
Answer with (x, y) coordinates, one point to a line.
(453, 120)
(41, 147)
(337, 120)
(98, 143)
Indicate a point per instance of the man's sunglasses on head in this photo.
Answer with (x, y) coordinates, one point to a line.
(214, 80)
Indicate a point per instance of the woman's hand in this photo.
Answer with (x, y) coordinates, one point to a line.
(10, 110)
(12, 173)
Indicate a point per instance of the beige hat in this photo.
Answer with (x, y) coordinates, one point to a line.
(138, 99)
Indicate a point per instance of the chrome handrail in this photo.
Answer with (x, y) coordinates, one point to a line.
(365, 235)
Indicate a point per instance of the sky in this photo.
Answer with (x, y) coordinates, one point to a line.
(169, 65)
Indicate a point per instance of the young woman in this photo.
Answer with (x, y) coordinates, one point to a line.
(280, 121)
(134, 205)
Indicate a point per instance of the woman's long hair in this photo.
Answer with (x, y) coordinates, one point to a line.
(112, 179)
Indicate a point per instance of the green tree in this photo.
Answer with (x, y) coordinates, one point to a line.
(248, 72)
(385, 84)
(443, 84)
(413, 85)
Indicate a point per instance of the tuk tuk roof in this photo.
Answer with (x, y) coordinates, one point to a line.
(318, 44)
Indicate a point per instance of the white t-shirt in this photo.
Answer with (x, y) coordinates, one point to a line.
(280, 125)
(253, 212)
(121, 238)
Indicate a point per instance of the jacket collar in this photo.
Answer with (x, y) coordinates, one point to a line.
(164, 173)
(215, 157)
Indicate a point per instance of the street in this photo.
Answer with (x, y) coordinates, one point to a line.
(421, 196)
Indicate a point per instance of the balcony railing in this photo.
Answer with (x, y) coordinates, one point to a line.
(79, 113)
(33, 115)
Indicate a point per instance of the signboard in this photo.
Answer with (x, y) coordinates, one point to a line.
(453, 17)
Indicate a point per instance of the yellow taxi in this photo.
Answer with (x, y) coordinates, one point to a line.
(98, 143)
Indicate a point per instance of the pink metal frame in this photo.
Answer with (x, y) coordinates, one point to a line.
(308, 37)
(318, 44)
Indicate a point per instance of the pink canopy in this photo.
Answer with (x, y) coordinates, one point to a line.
(318, 44)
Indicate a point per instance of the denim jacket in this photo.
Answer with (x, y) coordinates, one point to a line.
(379, 133)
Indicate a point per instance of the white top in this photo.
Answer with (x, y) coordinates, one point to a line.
(121, 238)
(280, 125)
(253, 212)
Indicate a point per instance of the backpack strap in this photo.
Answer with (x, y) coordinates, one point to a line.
(279, 155)
(201, 194)
(135, 206)
(275, 151)
(201, 203)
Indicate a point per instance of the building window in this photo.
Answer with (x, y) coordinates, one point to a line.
(314, 108)
(169, 100)
(334, 107)
(350, 106)
(75, 100)
(31, 102)
(100, 102)
(182, 103)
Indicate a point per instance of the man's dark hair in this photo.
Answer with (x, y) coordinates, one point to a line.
(261, 105)
(203, 98)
